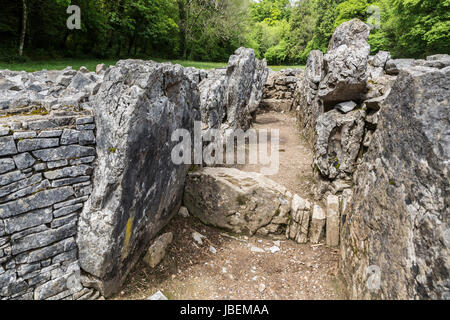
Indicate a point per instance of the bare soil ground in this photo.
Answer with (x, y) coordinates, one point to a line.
(192, 271)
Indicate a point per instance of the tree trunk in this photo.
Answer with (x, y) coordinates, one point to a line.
(24, 27)
(182, 18)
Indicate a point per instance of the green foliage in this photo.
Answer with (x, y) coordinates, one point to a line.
(282, 31)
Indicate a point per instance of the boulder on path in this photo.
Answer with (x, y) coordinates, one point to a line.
(155, 254)
(238, 201)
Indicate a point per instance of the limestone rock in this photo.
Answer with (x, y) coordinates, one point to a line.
(230, 97)
(299, 226)
(346, 63)
(137, 188)
(246, 78)
(157, 250)
(184, 212)
(346, 106)
(332, 228)
(339, 137)
(317, 224)
(398, 220)
(241, 202)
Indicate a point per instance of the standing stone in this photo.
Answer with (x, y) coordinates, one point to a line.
(317, 224)
(298, 229)
(157, 250)
(332, 229)
(398, 220)
(137, 187)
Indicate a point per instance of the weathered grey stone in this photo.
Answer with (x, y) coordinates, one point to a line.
(332, 224)
(24, 160)
(184, 212)
(74, 171)
(67, 210)
(50, 288)
(85, 160)
(246, 78)
(380, 59)
(56, 223)
(69, 203)
(50, 251)
(101, 68)
(40, 167)
(37, 201)
(346, 106)
(89, 126)
(38, 143)
(28, 220)
(242, 202)
(137, 108)
(314, 70)
(394, 66)
(155, 254)
(339, 138)
(85, 120)
(69, 181)
(317, 224)
(24, 135)
(398, 218)
(346, 64)
(24, 233)
(350, 33)
(57, 164)
(6, 164)
(64, 152)
(69, 136)
(50, 133)
(299, 226)
(86, 137)
(7, 146)
(11, 177)
(43, 239)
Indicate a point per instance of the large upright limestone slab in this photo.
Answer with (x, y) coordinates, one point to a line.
(246, 78)
(398, 222)
(137, 188)
(230, 97)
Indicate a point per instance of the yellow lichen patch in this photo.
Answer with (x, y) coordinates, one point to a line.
(126, 240)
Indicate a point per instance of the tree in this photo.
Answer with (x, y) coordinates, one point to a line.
(24, 27)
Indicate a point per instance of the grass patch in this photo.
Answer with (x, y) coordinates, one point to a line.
(60, 64)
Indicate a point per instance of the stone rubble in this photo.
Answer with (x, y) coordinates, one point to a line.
(157, 250)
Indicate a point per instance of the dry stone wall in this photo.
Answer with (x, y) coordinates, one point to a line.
(46, 165)
(379, 128)
(279, 90)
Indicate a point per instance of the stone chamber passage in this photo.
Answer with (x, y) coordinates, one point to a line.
(93, 207)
